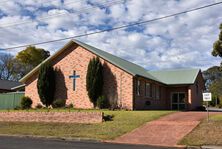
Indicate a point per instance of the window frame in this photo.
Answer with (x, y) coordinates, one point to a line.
(157, 94)
(138, 87)
(147, 91)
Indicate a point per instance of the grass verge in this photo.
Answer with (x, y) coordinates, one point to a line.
(123, 122)
(205, 133)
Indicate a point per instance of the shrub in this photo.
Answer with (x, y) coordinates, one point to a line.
(102, 102)
(201, 108)
(215, 101)
(17, 108)
(38, 106)
(70, 106)
(59, 103)
(26, 102)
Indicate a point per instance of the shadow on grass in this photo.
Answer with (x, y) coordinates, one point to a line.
(108, 117)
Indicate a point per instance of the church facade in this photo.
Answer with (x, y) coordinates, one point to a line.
(126, 85)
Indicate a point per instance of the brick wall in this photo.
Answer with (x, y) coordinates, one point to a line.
(118, 84)
(141, 101)
(196, 98)
(176, 89)
(55, 117)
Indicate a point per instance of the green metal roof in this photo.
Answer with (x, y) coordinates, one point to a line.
(123, 64)
(176, 76)
(187, 76)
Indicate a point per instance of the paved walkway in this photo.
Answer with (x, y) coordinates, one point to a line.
(166, 131)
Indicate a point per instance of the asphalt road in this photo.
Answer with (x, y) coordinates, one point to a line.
(39, 143)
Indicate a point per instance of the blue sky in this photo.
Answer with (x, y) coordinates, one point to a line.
(179, 42)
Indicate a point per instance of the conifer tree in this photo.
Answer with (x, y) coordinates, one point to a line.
(46, 84)
(94, 80)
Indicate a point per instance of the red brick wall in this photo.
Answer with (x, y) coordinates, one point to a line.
(164, 102)
(176, 89)
(196, 92)
(141, 100)
(56, 117)
(118, 84)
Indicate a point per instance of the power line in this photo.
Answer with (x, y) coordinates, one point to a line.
(42, 1)
(84, 10)
(118, 27)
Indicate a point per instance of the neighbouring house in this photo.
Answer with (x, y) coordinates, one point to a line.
(9, 86)
(126, 84)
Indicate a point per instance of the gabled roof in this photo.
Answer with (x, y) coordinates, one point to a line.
(8, 85)
(119, 62)
(123, 64)
(176, 76)
(169, 77)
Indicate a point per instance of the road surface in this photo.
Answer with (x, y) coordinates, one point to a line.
(40, 143)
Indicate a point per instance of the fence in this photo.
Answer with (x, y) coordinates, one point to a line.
(10, 100)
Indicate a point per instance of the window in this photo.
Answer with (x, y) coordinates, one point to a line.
(138, 87)
(147, 89)
(197, 88)
(178, 101)
(153, 90)
(157, 92)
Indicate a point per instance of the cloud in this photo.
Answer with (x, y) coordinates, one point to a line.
(182, 41)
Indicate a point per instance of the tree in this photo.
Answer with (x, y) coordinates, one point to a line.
(8, 67)
(94, 80)
(213, 79)
(217, 46)
(211, 75)
(46, 84)
(31, 57)
(216, 88)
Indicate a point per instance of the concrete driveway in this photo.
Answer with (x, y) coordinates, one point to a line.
(166, 131)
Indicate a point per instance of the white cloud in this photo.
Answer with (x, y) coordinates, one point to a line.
(183, 41)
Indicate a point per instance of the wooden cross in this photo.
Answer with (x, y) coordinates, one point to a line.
(74, 77)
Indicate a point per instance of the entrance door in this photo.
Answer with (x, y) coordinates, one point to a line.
(178, 101)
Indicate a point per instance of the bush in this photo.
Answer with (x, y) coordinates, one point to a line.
(102, 102)
(69, 106)
(59, 103)
(17, 108)
(201, 108)
(215, 101)
(26, 102)
(38, 106)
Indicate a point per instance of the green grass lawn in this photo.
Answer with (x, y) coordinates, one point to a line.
(123, 122)
(206, 133)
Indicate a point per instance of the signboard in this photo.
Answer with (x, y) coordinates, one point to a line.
(207, 97)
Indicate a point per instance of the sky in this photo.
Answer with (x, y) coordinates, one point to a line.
(183, 41)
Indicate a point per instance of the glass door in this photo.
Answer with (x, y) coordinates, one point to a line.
(178, 101)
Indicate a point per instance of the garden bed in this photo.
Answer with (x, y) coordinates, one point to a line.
(52, 117)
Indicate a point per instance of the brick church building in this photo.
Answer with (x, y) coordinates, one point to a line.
(126, 84)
